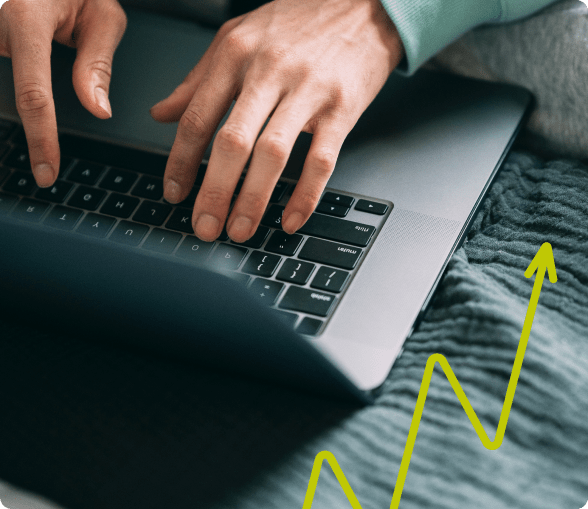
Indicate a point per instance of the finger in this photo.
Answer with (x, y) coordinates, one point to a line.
(30, 47)
(99, 32)
(172, 108)
(230, 152)
(318, 167)
(270, 156)
(195, 130)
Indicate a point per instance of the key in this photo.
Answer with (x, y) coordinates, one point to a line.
(150, 188)
(194, 249)
(56, 193)
(162, 241)
(4, 172)
(3, 147)
(257, 240)
(372, 207)
(332, 209)
(331, 280)
(273, 217)
(181, 220)
(6, 202)
(242, 279)
(288, 318)
(86, 173)
(266, 290)
(338, 199)
(295, 271)
(18, 159)
(152, 213)
(307, 301)
(309, 326)
(119, 205)
(279, 191)
(330, 253)
(228, 257)
(95, 225)
(21, 183)
(118, 180)
(30, 210)
(86, 198)
(261, 264)
(63, 218)
(190, 199)
(129, 233)
(282, 243)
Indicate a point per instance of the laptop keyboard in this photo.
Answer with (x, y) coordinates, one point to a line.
(115, 193)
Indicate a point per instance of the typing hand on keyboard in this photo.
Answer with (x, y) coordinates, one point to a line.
(313, 66)
(27, 28)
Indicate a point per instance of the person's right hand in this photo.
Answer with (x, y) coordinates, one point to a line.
(27, 28)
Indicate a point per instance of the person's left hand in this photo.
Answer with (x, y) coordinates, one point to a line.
(311, 66)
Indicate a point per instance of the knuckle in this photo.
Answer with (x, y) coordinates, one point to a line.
(33, 98)
(233, 138)
(213, 196)
(192, 124)
(236, 44)
(253, 204)
(274, 147)
(102, 66)
(276, 53)
(323, 162)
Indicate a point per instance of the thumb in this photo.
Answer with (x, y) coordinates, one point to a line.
(98, 35)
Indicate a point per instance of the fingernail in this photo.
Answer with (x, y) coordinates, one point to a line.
(102, 100)
(172, 191)
(207, 227)
(44, 175)
(240, 229)
(293, 222)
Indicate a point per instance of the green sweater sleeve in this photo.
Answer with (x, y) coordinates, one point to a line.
(427, 26)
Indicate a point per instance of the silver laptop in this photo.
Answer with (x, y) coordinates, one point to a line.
(328, 310)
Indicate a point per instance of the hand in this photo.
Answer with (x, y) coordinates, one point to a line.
(312, 66)
(27, 27)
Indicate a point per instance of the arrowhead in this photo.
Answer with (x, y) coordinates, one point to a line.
(543, 259)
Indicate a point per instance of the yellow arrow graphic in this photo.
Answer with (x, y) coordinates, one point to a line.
(542, 262)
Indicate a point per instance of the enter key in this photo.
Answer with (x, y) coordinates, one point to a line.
(330, 253)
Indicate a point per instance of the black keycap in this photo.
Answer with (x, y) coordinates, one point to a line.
(152, 213)
(331, 280)
(223, 235)
(279, 191)
(181, 220)
(3, 149)
(4, 172)
(227, 257)
(21, 183)
(56, 193)
(118, 180)
(372, 207)
(288, 318)
(86, 173)
(257, 240)
(332, 209)
(330, 253)
(242, 279)
(18, 159)
(149, 187)
(63, 218)
(162, 241)
(273, 217)
(190, 199)
(339, 230)
(261, 264)
(307, 301)
(95, 225)
(129, 233)
(194, 249)
(6, 202)
(19, 138)
(338, 199)
(87, 198)
(295, 271)
(265, 290)
(282, 243)
(119, 205)
(6, 129)
(29, 210)
(309, 326)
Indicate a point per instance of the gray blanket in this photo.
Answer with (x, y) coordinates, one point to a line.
(91, 426)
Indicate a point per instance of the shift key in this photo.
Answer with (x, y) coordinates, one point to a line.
(330, 253)
(307, 301)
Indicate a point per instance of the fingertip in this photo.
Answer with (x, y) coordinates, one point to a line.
(292, 223)
(44, 175)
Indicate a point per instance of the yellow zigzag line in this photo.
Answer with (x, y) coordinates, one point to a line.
(542, 262)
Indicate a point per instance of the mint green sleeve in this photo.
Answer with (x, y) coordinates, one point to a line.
(427, 26)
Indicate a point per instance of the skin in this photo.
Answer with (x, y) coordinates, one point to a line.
(308, 65)
(27, 27)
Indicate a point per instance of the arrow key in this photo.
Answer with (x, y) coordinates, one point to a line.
(332, 209)
(372, 207)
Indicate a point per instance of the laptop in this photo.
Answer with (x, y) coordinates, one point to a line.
(102, 255)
